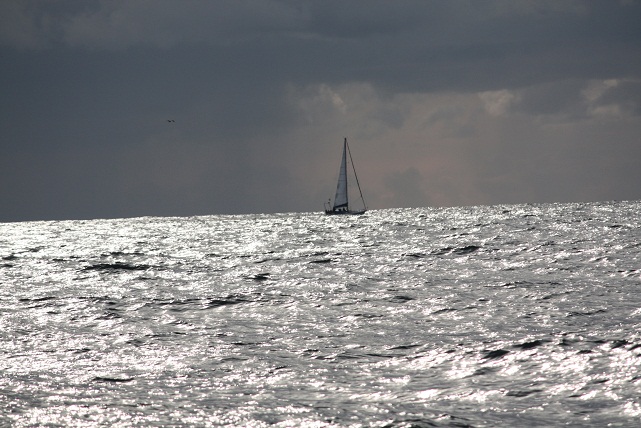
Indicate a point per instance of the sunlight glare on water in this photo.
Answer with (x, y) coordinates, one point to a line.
(525, 315)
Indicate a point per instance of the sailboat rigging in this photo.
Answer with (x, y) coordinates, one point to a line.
(341, 200)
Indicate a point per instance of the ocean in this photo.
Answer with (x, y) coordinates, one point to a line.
(487, 316)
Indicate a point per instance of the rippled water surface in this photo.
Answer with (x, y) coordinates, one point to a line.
(522, 315)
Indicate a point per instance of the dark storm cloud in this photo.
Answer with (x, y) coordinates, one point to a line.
(626, 94)
(397, 43)
(451, 95)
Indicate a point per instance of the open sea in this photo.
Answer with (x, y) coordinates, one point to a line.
(488, 316)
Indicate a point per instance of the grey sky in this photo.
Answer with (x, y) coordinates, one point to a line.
(444, 102)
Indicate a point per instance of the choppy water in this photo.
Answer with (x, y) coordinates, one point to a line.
(480, 316)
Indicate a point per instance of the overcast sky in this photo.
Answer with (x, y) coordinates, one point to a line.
(445, 103)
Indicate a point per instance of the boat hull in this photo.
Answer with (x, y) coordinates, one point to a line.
(331, 212)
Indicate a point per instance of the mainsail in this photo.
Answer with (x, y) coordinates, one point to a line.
(340, 200)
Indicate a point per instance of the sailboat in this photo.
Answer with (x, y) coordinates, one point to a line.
(341, 200)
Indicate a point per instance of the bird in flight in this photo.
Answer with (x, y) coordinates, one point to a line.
(170, 120)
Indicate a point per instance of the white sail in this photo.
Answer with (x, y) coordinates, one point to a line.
(340, 200)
